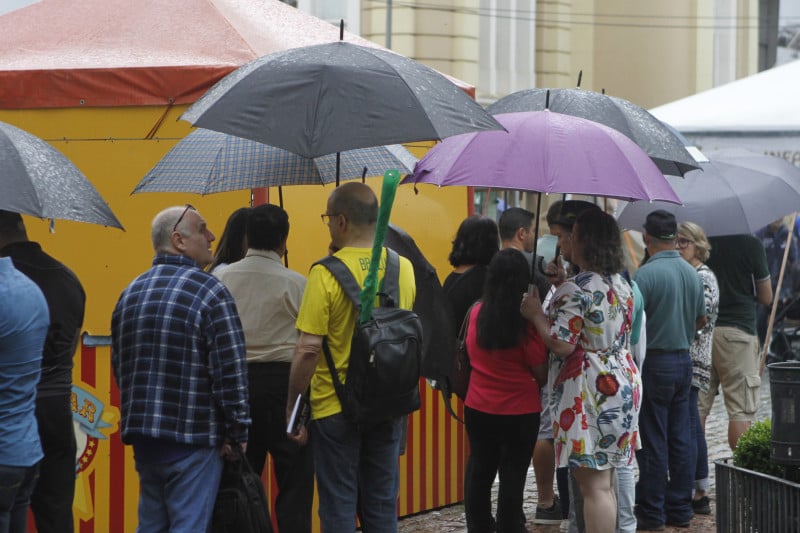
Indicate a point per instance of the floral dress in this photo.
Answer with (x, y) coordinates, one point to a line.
(700, 350)
(597, 388)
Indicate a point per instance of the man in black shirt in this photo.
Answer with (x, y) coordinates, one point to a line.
(51, 500)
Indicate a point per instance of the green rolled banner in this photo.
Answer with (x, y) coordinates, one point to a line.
(391, 179)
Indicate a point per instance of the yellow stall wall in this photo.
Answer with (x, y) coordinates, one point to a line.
(115, 147)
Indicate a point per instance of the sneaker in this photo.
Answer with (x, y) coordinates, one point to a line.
(549, 515)
(564, 525)
(648, 526)
(702, 505)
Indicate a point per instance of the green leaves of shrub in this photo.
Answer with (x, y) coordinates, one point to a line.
(753, 450)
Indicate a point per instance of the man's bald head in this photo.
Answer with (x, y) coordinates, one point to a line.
(356, 202)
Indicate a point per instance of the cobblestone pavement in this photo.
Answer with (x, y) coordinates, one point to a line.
(452, 519)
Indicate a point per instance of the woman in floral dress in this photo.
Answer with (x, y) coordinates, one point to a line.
(596, 385)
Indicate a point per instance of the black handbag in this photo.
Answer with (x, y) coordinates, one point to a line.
(241, 504)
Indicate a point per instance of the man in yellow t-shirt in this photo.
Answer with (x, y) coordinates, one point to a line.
(349, 458)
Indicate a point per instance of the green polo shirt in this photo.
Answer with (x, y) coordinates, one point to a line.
(673, 300)
(738, 261)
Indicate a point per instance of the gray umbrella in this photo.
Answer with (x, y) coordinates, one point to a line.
(328, 98)
(657, 140)
(38, 180)
(208, 161)
(737, 192)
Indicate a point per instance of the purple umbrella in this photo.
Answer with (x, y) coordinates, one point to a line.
(546, 152)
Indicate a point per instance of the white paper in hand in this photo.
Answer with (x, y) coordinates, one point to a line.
(299, 415)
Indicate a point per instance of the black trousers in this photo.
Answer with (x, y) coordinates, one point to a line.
(499, 445)
(293, 464)
(52, 497)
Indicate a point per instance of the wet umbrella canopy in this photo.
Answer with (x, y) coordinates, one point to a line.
(660, 143)
(546, 152)
(328, 98)
(207, 161)
(737, 192)
(38, 180)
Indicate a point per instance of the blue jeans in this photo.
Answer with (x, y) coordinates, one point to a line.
(626, 485)
(665, 427)
(699, 447)
(179, 496)
(16, 485)
(349, 458)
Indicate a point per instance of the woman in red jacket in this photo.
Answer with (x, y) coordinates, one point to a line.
(502, 405)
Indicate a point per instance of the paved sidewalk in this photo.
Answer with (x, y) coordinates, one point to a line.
(451, 519)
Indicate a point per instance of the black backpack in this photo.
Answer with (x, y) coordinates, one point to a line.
(386, 352)
(241, 504)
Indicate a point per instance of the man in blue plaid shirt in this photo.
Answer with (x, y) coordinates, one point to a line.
(178, 356)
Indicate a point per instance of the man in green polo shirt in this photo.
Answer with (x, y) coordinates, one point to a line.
(740, 264)
(675, 309)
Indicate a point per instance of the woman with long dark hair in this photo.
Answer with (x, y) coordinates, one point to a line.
(502, 405)
(232, 244)
(597, 391)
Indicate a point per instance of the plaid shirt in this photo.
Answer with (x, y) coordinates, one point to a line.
(178, 356)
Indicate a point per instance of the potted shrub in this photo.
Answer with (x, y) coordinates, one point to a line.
(752, 496)
(753, 450)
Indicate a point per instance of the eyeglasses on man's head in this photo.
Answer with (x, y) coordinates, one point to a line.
(180, 218)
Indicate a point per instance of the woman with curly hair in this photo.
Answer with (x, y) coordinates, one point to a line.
(597, 391)
(501, 410)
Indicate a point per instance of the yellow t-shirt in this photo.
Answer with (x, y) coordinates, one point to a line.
(327, 311)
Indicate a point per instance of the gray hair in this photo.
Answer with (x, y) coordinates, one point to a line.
(161, 232)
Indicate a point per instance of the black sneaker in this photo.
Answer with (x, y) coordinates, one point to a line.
(549, 515)
(702, 505)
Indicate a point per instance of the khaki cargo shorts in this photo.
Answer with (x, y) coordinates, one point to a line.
(734, 365)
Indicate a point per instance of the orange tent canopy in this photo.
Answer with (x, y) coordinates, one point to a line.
(100, 53)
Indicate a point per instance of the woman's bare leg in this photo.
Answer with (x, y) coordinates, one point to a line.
(599, 500)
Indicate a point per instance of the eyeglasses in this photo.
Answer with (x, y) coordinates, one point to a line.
(180, 218)
(326, 217)
(682, 243)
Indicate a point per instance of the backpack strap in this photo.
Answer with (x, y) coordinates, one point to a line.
(390, 286)
(344, 277)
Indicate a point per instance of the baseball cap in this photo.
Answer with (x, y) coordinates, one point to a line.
(661, 225)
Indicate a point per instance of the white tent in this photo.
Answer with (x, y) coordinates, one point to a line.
(760, 113)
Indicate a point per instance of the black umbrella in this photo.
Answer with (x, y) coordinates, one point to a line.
(38, 180)
(653, 136)
(328, 98)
